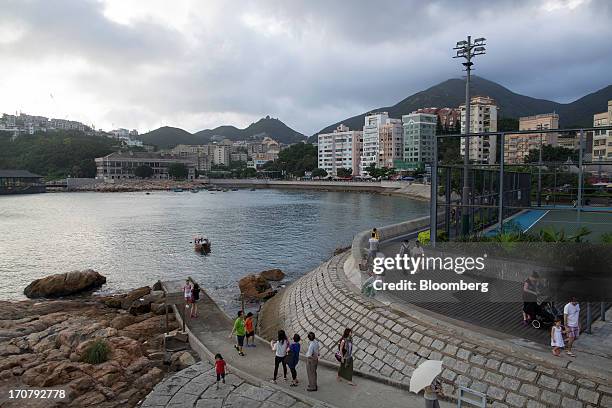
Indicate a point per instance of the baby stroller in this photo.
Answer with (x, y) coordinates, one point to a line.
(545, 313)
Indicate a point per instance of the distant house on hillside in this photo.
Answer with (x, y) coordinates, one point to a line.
(121, 165)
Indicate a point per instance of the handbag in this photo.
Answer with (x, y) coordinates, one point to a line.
(338, 356)
(289, 357)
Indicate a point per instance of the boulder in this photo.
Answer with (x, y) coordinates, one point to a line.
(122, 321)
(64, 284)
(133, 295)
(139, 307)
(181, 360)
(253, 286)
(156, 296)
(273, 275)
(114, 302)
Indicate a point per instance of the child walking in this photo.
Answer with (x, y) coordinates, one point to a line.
(220, 369)
(250, 330)
(556, 338)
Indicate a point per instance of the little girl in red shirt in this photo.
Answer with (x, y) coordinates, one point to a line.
(220, 368)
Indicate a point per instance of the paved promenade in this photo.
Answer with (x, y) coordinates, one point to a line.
(195, 387)
(212, 330)
(390, 343)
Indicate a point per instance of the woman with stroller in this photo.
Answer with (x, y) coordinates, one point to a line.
(530, 298)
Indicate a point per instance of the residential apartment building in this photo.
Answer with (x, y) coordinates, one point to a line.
(208, 154)
(602, 139)
(517, 147)
(382, 141)
(419, 133)
(65, 124)
(483, 118)
(448, 116)
(121, 165)
(340, 149)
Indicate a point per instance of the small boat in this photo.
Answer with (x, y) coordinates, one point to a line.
(234, 189)
(177, 190)
(194, 190)
(202, 245)
(147, 193)
(225, 190)
(253, 189)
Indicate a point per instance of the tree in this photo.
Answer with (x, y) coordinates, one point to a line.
(343, 172)
(319, 173)
(295, 160)
(507, 124)
(178, 171)
(143, 171)
(250, 172)
(552, 154)
(439, 127)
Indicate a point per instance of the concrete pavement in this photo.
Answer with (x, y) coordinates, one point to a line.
(213, 328)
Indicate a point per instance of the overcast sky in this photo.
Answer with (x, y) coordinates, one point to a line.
(201, 64)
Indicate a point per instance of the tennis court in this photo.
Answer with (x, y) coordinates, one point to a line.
(597, 220)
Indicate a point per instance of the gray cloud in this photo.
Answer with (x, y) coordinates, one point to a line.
(308, 63)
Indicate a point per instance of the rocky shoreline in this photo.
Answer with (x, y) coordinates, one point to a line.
(46, 344)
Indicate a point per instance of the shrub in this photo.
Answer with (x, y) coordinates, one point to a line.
(97, 352)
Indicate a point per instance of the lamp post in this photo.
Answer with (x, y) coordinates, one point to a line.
(467, 49)
(539, 192)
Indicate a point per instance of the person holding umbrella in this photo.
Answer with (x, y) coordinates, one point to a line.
(426, 377)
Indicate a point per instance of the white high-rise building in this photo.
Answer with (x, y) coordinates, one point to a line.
(382, 141)
(419, 134)
(340, 149)
(483, 118)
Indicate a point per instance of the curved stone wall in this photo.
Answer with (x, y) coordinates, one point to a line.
(390, 344)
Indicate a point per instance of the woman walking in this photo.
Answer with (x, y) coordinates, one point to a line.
(345, 349)
(188, 293)
(432, 392)
(280, 348)
(293, 358)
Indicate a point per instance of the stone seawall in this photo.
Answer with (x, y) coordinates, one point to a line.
(390, 344)
(417, 191)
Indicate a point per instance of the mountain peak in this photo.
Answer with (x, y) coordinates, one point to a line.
(451, 93)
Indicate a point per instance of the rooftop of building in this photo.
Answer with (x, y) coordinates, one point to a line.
(141, 155)
(18, 174)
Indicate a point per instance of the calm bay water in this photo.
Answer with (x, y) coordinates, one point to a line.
(134, 239)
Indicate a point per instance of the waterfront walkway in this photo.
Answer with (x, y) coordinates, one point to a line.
(212, 330)
(195, 387)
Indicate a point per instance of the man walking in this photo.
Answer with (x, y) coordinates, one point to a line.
(571, 318)
(240, 331)
(312, 360)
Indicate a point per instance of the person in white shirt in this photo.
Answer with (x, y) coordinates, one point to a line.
(416, 252)
(312, 360)
(571, 318)
(373, 246)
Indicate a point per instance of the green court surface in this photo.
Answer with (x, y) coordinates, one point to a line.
(570, 220)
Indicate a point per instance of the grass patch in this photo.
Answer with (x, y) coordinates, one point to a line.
(97, 352)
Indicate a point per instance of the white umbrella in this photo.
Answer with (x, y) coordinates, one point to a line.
(424, 375)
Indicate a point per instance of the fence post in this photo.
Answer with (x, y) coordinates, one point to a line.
(589, 318)
(433, 212)
(501, 184)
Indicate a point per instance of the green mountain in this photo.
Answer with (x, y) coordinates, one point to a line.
(451, 93)
(168, 136)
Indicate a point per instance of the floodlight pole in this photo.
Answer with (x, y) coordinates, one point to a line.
(465, 197)
(467, 50)
(580, 173)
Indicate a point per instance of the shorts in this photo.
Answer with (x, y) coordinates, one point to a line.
(220, 376)
(240, 340)
(573, 332)
(250, 334)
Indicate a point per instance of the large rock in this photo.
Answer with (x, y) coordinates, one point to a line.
(181, 360)
(133, 295)
(254, 286)
(273, 275)
(64, 284)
